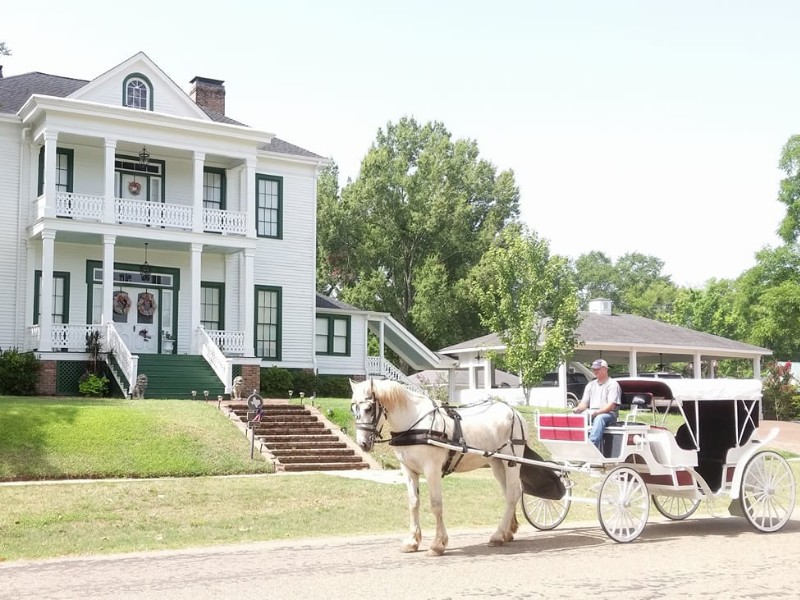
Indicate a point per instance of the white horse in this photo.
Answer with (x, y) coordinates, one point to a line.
(493, 427)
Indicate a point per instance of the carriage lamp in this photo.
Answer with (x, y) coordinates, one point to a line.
(144, 157)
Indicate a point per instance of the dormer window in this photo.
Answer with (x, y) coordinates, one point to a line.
(137, 92)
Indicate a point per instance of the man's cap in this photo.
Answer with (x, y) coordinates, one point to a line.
(599, 363)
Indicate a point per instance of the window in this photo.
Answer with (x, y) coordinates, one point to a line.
(137, 92)
(268, 322)
(213, 188)
(269, 200)
(60, 297)
(332, 335)
(65, 158)
(211, 306)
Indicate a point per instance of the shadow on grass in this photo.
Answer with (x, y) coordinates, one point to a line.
(23, 443)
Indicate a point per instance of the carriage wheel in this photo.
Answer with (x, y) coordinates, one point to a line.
(546, 514)
(623, 505)
(768, 491)
(675, 508)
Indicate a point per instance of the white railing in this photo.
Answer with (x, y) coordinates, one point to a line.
(224, 221)
(383, 368)
(71, 337)
(230, 342)
(141, 212)
(156, 214)
(222, 365)
(127, 362)
(32, 339)
(79, 206)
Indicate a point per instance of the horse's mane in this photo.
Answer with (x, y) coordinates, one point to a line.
(392, 394)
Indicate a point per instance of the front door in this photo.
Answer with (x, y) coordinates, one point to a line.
(137, 319)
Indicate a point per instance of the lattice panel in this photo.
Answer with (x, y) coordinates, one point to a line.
(68, 377)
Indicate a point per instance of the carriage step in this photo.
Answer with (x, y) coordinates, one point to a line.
(294, 467)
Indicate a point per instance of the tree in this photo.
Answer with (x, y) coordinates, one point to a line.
(635, 283)
(403, 236)
(4, 50)
(529, 298)
(789, 191)
(768, 301)
(711, 309)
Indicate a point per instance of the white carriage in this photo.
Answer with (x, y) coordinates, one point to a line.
(716, 452)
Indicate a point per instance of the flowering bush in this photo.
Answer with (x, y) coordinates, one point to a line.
(780, 395)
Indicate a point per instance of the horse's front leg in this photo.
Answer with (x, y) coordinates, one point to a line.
(508, 478)
(439, 543)
(412, 489)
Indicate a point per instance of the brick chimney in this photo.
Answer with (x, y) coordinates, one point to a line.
(208, 93)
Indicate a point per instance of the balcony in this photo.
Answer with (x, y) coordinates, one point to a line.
(84, 207)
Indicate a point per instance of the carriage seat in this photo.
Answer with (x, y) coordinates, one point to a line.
(667, 451)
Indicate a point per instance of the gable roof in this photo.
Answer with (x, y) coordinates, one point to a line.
(15, 91)
(616, 335)
(328, 302)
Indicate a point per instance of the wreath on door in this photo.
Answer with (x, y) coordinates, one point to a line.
(146, 304)
(122, 303)
(134, 187)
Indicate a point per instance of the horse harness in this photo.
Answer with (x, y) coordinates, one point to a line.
(416, 436)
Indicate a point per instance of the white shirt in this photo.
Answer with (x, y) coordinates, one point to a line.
(597, 395)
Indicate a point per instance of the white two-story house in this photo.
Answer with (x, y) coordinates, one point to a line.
(133, 208)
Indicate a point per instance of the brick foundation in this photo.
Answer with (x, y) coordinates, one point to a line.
(47, 379)
(252, 378)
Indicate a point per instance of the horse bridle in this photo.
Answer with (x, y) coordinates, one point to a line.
(372, 427)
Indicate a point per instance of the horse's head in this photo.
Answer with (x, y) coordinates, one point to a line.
(368, 413)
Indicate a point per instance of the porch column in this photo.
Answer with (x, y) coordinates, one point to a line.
(50, 144)
(473, 380)
(232, 283)
(108, 277)
(249, 294)
(380, 343)
(562, 384)
(109, 193)
(46, 291)
(197, 194)
(488, 373)
(757, 368)
(698, 366)
(250, 196)
(195, 273)
(633, 370)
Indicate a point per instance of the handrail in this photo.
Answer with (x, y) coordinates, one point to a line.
(222, 365)
(383, 368)
(127, 362)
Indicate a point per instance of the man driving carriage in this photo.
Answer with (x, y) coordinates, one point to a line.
(602, 397)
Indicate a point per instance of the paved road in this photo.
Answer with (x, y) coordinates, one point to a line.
(703, 557)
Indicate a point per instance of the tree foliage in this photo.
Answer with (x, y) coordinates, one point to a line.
(635, 283)
(789, 191)
(528, 297)
(4, 50)
(403, 236)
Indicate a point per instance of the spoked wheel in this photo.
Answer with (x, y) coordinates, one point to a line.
(547, 514)
(675, 507)
(623, 505)
(768, 491)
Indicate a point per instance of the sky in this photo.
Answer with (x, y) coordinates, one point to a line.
(630, 125)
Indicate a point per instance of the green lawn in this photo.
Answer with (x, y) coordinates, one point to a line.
(68, 438)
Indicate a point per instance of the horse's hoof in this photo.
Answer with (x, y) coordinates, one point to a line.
(496, 541)
(409, 548)
(435, 551)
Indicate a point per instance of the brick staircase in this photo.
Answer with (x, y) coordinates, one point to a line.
(299, 438)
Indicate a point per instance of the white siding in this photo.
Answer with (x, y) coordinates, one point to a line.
(10, 251)
(348, 365)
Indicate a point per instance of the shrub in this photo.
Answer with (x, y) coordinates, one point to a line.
(334, 386)
(304, 381)
(19, 372)
(93, 385)
(275, 382)
(780, 399)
